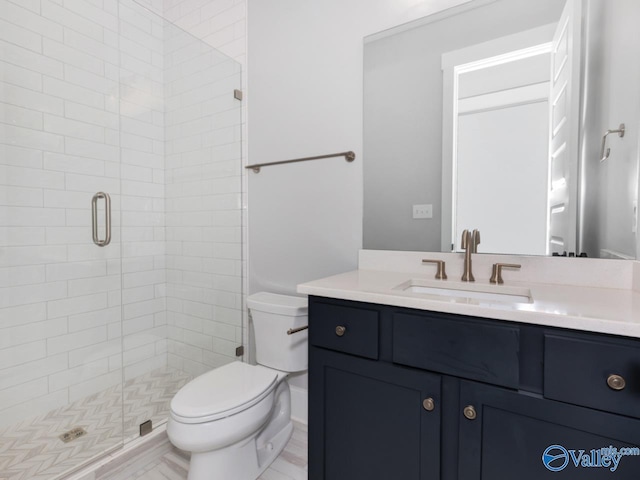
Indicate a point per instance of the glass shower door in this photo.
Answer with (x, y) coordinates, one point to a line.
(60, 269)
(105, 100)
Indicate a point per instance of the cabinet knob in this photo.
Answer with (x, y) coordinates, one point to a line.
(616, 382)
(428, 404)
(470, 412)
(340, 330)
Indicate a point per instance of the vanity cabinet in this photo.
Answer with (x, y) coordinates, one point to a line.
(396, 393)
(511, 430)
(375, 420)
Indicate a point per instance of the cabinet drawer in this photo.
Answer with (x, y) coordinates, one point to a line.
(469, 349)
(578, 371)
(360, 334)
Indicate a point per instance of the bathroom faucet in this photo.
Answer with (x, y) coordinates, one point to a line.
(469, 243)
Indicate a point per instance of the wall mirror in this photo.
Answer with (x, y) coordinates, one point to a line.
(492, 116)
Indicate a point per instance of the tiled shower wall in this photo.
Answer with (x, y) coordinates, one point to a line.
(220, 23)
(143, 192)
(61, 296)
(223, 25)
(60, 142)
(203, 173)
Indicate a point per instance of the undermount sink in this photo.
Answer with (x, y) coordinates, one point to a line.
(480, 293)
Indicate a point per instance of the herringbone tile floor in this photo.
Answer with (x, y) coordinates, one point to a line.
(31, 449)
(172, 464)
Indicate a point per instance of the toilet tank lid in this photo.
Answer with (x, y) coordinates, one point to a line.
(278, 304)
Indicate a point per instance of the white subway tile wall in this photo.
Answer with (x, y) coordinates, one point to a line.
(60, 294)
(220, 23)
(203, 204)
(96, 96)
(142, 123)
(223, 25)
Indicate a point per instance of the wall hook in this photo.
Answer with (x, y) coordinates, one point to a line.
(620, 131)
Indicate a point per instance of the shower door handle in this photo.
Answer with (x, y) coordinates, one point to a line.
(107, 219)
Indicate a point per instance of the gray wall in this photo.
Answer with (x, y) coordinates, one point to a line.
(403, 117)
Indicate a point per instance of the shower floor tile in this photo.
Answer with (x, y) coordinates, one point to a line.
(32, 449)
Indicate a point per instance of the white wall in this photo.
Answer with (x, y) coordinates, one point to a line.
(501, 179)
(624, 103)
(508, 204)
(305, 83)
(305, 64)
(612, 97)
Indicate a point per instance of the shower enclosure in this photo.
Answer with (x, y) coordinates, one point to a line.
(120, 225)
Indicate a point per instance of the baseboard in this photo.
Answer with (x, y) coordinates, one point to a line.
(299, 401)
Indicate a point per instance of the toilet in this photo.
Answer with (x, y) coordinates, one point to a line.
(236, 419)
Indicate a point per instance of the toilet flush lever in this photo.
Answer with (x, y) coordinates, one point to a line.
(291, 331)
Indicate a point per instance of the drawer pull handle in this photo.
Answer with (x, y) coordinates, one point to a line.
(616, 382)
(428, 404)
(470, 412)
(340, 330)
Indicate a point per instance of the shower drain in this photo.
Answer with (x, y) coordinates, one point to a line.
(72, 434)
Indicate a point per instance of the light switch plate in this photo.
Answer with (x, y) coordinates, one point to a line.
(423, 211)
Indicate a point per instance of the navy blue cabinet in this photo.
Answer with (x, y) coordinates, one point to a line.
(396, 393)
(509, 433)
(373, 420)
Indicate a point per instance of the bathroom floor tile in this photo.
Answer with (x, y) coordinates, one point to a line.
(32, 450)
(173, 465)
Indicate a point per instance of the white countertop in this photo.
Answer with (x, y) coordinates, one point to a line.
(605, 310)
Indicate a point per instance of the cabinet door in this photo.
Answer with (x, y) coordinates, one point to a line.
(367, 420)
(524, 437)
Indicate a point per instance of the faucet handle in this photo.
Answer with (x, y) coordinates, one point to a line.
(496, 272)
(465, 239)
(475, 240)
(440, 274)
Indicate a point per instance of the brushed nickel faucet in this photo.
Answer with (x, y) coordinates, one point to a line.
(496, 272)
(469, 243)
(440, 274)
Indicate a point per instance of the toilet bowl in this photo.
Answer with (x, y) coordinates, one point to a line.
(235, 420)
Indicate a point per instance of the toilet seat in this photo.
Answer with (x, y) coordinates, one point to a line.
(222, 392)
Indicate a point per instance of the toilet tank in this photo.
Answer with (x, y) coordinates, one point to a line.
(273, 315)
